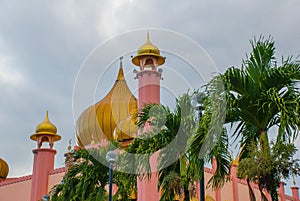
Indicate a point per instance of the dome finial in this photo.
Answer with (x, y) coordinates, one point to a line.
(121, 73)
(148, 37)
(121, 63)
(46, 117)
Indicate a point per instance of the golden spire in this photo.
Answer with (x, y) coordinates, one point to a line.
(121, 72)
(148, 38)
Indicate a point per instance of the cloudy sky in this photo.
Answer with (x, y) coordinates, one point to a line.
(44, 43)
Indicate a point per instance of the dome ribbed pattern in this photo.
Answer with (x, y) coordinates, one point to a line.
(126, 129)
(100, 120)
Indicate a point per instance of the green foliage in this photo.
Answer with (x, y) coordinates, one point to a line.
(267, 170)
(87, 178)
(279, 163)
(84, 180)
(210, 139)
(262, 95)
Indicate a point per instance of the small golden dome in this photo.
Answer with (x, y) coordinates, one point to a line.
(148, 49)
(126, 129)
(4, 169)
(100, 120)
(46, 128)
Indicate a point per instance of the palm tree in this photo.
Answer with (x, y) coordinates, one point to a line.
(169, 134)
(262, 95)
(211, 139)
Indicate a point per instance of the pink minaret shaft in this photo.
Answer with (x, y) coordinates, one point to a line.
(148, 59)
(43, 162)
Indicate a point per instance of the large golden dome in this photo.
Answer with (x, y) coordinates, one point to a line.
(4, 169)
(100, 120)
(148, 49)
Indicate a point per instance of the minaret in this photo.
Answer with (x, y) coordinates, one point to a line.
(148, 59)
(43, 158)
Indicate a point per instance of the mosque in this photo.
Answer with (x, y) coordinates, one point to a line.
(118, 107)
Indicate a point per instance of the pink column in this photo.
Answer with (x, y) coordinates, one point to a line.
(149, 87)
(149, 92)
(295, 193)
(281, 191)
(268, 196)
(234, 182)
(43, 164)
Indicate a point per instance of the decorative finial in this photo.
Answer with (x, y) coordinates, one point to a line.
(121, 64)
(148, 37)
(294, 182)
(121, 73)
(70, 145)
(47, 117)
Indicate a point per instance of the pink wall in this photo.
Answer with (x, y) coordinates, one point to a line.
(16, 191)
(55, 177)
(20, 188)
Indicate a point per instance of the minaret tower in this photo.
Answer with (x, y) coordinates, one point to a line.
(43, 158)
(148, 59)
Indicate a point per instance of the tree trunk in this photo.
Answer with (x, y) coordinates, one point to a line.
(186, 193)
(251, 193)
(265, 147)
(264, 142)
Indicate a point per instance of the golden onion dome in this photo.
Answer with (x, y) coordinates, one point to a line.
(4, 169)
(100, 120)
(46, 128)
(126, 129)
(148, 49)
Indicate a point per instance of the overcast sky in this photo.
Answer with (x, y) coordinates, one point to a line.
(44, 43)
